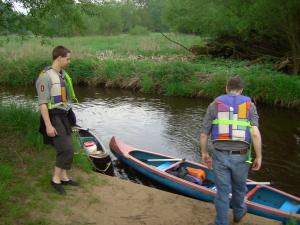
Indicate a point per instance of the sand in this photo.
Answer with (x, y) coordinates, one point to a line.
(112, 201)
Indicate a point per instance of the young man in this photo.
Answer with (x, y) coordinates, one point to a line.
(55, 96)
(232, 121)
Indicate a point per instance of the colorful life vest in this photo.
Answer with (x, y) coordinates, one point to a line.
(233, 119)
(61, 91)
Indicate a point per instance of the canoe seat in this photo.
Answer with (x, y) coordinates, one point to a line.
(289, 206)
(164, 165)
(88, 138)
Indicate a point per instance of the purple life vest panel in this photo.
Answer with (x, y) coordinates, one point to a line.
(232, 108)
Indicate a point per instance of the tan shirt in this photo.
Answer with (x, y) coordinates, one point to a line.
(47, 85)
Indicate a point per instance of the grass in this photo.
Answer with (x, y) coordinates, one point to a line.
(156, 65)
(292, 221)
(25, 168)
(154, 44)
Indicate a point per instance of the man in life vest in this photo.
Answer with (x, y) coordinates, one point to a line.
(55, 97)
(232, 122)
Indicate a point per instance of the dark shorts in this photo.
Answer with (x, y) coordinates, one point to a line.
(62, 142)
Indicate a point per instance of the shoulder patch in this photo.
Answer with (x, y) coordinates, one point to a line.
(42, 88)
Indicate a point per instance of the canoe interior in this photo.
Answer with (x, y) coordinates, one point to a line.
(144, 157)
(100, 160)
(86, 136)
(168, 166)
(263, 195)
(271, 198)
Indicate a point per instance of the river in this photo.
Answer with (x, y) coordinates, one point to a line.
(171, 125)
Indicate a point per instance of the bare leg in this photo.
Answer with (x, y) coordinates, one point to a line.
(64, 175)
(57, 175)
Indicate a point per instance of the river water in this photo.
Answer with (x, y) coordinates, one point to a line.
(171, 125)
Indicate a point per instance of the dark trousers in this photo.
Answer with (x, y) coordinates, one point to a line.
(63, 140)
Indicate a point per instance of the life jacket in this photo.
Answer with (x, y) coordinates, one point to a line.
(61, 89)
(233, 119)
(199, 173)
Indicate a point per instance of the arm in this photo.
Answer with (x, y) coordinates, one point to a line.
(205, 131)
(204, 152)
(43, 91)
(256, 140)
(51, 132)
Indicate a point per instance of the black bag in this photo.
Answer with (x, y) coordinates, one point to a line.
(72, 117)
(181, 172)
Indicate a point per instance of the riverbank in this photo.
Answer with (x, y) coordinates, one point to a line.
(116, 201)
(148, 64)
(27, 197)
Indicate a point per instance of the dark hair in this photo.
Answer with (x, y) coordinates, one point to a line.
(235, 83)
(60, 51)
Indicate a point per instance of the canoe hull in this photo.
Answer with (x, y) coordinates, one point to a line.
(101, 163)
(186, 190)
(124, 153)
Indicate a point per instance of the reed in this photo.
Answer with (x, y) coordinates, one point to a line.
(149, 64)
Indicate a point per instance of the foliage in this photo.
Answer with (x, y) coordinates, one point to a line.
(169, 73)
(80, 158)
(56, 18)
(101, 19)
(276, 22)
(10, 21)
(22, 119)
(25, 168)
(156, 10)
(84, 17)
(138, 30)
(291, 221)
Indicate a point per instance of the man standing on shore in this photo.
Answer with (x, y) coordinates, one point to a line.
(232, 121)
(55, 95)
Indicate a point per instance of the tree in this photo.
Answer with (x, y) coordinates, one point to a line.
(156, 9)
(55, 17)
(273, 21)
(10, 21)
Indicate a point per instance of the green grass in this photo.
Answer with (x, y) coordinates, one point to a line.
(25, 167)
(80, 158)
(124, 44)
(292, 221)
(159, 66)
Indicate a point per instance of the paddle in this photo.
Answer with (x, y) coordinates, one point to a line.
(164, 160)
(258, 183)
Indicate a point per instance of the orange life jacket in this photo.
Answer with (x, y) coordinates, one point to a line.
(199, 173)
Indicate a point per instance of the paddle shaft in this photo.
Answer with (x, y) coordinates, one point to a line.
(163, 160)
(258, 183)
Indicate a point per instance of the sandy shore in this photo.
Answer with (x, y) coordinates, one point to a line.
(111, 201)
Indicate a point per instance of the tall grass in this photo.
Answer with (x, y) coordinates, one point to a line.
(25, 167)
(157, 65)
(23, 120)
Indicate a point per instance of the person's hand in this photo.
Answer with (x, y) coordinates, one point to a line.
(256, 164)
(51, 132)
(207, 159)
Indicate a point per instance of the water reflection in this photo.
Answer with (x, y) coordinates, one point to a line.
(171, 125)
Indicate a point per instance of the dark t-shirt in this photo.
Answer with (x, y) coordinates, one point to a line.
(206, 128)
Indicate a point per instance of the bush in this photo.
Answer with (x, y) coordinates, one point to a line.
(139, 30)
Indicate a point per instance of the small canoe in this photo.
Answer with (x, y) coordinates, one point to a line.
(95, 150)
(261, 200)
